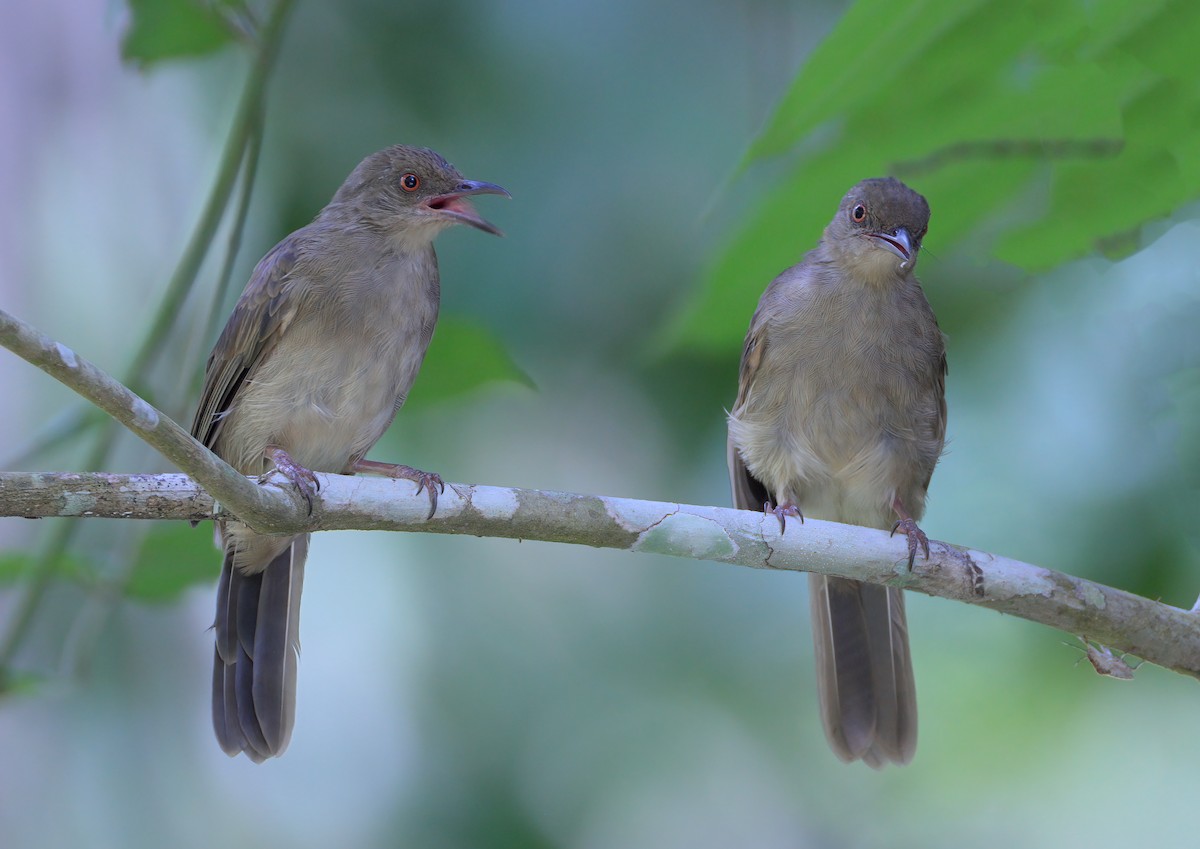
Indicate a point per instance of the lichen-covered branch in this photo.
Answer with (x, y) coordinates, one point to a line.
(264, 508)
(1165, 635)
(1162, 634)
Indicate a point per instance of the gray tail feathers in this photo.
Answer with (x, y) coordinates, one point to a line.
(257, 646)
(864, 670)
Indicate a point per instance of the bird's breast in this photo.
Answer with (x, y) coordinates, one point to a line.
(332, 385)
(835, 417)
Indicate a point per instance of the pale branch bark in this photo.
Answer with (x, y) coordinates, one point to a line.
(1162, 634)
(262, 508)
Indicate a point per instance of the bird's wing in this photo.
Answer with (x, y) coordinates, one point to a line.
(261, 316)
(938, 425)
(933, 425)
(749, 493)
(943, 368)
(752, 354)
(793, 287)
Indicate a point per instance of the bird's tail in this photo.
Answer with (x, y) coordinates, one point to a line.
(864, 670)
(257, 646)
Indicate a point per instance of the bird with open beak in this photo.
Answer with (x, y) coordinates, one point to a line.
(311, 368)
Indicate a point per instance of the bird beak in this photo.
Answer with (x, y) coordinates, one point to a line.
(897, 241)
(456, 206)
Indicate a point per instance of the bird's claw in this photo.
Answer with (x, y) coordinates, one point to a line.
(424, 480)
(916, 539)
(430, 482)
(303, 479)
(782, 512)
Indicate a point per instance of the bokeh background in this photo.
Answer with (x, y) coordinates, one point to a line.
(461, 692)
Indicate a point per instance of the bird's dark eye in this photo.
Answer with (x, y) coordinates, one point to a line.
(410, 182)
(858, 214)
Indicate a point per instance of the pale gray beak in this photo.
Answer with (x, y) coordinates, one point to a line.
(897, 241)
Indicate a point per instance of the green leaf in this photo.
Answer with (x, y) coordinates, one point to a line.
(174, 29)
(1056, 128)
(462, 357)
(172, 559)
(15, 682)
(15, 565)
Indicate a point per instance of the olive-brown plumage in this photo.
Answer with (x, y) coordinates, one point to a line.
(319, 354)
(841, 415)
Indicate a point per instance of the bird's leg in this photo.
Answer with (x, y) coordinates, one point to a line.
(782, 512)
(424, 480)
(916, 536)
(303, 479)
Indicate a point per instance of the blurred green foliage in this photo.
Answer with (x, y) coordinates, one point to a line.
(457, 692)
(15, 564)
(171, 559)
(462, 357)
(161, 30)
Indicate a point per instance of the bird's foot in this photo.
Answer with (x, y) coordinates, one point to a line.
(782, 512)
(303, 479)
(916, 539)
(428, 481)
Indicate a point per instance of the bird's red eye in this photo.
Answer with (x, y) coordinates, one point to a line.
(410, 182)
(858, 214)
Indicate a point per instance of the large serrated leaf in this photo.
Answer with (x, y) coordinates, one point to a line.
(1089, 112)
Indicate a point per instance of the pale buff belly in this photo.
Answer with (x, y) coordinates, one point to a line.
(831, 454)
(325, 407)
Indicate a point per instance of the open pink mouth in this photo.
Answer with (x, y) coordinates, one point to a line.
(455, 204)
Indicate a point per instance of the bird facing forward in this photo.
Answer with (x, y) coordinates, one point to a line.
(841, 415)
(311, 368)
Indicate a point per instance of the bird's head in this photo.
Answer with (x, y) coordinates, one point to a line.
(878, 229)
(413, 193)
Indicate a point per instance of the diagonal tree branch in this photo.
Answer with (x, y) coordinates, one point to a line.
(263, 508)
(1162, 634)
(239, 156)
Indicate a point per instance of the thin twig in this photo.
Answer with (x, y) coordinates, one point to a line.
(245, 119)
